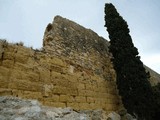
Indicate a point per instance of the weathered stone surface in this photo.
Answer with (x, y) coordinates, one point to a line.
(73, 69)
(113, 116)
(12, 108)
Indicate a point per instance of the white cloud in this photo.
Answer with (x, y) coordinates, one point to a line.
(25, 20)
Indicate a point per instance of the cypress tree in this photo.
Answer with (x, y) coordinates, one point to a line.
(132, 79)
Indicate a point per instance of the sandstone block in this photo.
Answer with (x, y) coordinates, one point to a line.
(8, 63)
(61, 82)
(57, 61)
(63, 98)
(31, 95)
(55, 75)
(31, 76)
(81, 92)
(95, 106)
(90, 93)
(4, 72)
(22, 67)
(56, 68)
(71, 99)
(81, 86)
(4, 81)
(25, 85)
(71, 78)
(73, 105)
(60, 90)
(52, 98)
(80, 99)
(44, 76)
(89, 87)
(58, 104)
(21, 58)
(95, 88)
(4, 92)
(84, 106)
(103, 89)
(90, 99)
(72, 92)
(72, 85)
(17, 93)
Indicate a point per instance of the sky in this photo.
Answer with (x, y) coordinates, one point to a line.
(26, 20)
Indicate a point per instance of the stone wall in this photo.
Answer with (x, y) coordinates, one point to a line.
(54, 81)
(73, 69)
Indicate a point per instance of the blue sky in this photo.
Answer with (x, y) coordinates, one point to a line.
(25, 20)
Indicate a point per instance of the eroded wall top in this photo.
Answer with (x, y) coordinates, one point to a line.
(72, 70)
(83, 46)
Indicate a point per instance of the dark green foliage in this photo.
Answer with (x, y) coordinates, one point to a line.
(156, 92)
(132, 79)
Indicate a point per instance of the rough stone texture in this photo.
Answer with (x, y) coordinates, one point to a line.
(18, 109)
(72, 70)
(12, 108)
(80, 45)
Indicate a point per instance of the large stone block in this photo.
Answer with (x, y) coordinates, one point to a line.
(80, 99)
(90, 99)
(73, 105)
(84, 106)
(17, 93)
(63, 98)
(5, 92)
(25, 85)
(31, 95)
(72, 92)
(58, 104)
(4, 77)
(4, 81)
(4, 72)
(81, 86)
(8, 63)
(57, 61)
(67, 98)
(31, 76)
(52, 98)
(44, 75)
(60, 90)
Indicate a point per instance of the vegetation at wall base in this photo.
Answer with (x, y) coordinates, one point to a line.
(132, 79)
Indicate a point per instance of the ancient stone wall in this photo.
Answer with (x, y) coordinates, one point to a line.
(72, 70)
(54, 81)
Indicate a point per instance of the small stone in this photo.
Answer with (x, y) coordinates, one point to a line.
(113, 116)
(127, 117)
